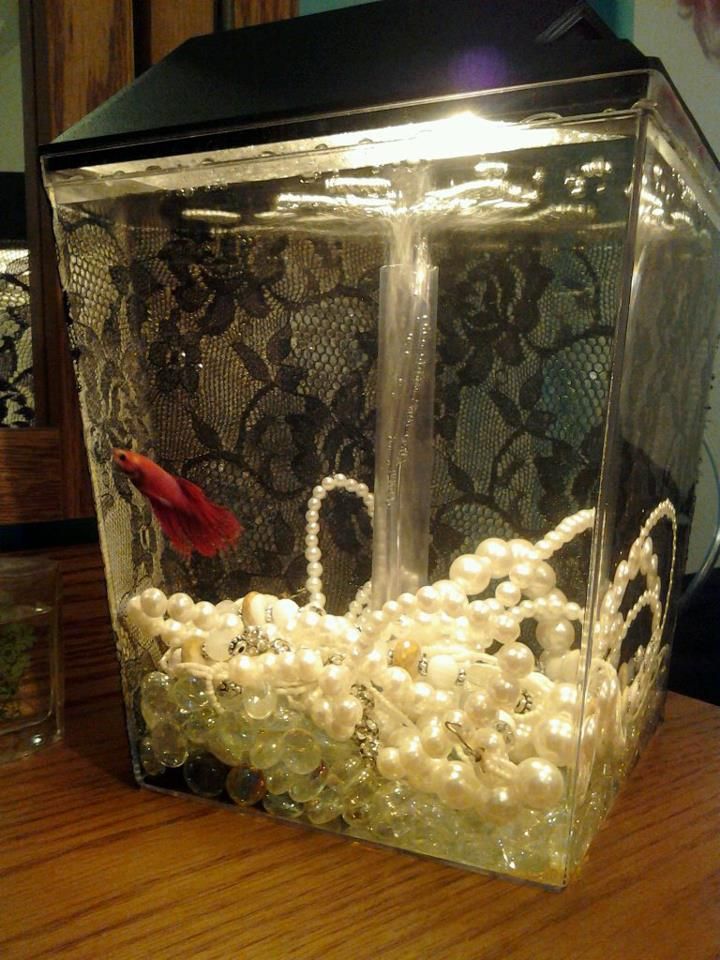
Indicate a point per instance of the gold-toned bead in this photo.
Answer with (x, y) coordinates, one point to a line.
(406, 654)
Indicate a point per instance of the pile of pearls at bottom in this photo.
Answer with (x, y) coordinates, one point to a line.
(434, 692)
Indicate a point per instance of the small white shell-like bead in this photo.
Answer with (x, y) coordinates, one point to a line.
(442, 671)
(217, 645)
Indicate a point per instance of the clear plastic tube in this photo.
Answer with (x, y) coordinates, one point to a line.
(404, 431)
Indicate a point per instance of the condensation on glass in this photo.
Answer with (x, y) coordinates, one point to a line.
(449, 377)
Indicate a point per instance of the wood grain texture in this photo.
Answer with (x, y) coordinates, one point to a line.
(77, 53)
(89, 51)
(30, 475)
(92, 866)
(161, 25)
(250, 12)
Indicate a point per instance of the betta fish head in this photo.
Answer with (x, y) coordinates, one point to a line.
(130, 463)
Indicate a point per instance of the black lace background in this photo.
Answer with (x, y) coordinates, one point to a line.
(17, 407)
(247, 365)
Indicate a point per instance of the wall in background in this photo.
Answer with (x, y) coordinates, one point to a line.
(660, 31)
(12, 156)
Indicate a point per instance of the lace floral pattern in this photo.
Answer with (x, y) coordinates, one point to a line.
(16, 374)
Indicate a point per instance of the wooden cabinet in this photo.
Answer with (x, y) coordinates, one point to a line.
(76, 54)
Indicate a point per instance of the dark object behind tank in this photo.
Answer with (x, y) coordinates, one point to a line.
(357, 58)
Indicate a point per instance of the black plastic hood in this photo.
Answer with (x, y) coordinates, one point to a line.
(357, 58)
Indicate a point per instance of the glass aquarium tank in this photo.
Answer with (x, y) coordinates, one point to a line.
(393, 408)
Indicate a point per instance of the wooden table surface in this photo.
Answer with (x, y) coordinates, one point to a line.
(92, 867)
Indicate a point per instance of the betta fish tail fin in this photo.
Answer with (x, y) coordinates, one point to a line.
(207, 526)
(171, 525)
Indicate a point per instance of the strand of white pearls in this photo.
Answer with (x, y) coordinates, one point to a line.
(464, 704)
(335, 481)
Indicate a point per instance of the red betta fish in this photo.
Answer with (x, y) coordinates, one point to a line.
(188, 519)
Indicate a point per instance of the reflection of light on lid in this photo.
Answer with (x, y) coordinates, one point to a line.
(360, 184)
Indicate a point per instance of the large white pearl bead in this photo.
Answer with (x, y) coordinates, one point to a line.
(434, 738)
(539, 783)
(347, 710)
(505, 628)
(442, 671)
(505, 691)
(500, 804)
(428, 599)
(335, 679)
(555, 636)
(480, 708)
(153, 602)
(389, 763)
(204, 615)
(471, 572)
(172, 632)
(422, 697)
(246, 671)
(508, 593)
(453, 601)
(134, 612)
(287, 668)
(284, 611)
(455, 786)
(565, 698)
(498, 553)
(555, 739)
(542, 580)
(515, 660)
(181, 607)
(522, 549)
(309, 664)
(397, 685)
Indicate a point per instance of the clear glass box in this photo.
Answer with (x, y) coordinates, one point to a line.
(436, 379)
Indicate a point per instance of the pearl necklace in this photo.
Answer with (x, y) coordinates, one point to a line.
(414, 683)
